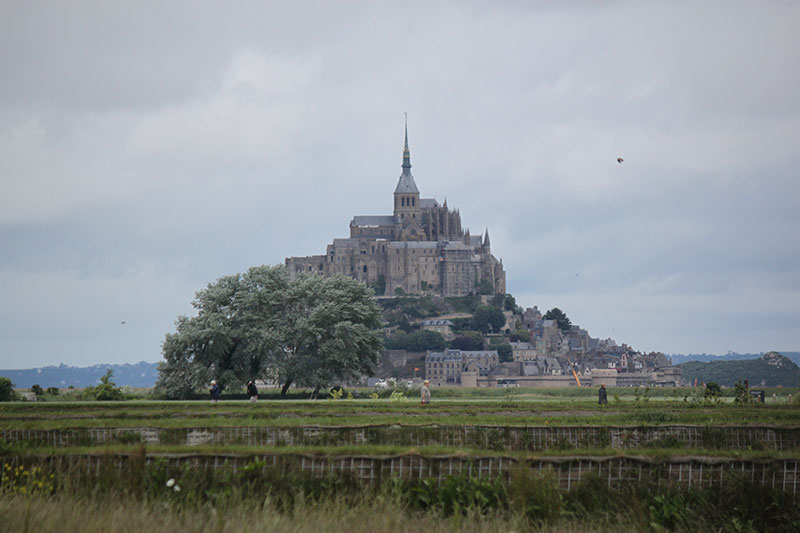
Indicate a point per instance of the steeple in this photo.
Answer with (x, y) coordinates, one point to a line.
(406, 185)
(406, 152)
(486, 239)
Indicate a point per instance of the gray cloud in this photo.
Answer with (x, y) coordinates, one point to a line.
(146, 149)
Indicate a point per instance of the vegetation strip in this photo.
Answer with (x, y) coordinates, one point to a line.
(498, 438)
(683, 471)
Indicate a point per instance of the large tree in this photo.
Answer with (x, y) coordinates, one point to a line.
(329, 331)
(258, 324)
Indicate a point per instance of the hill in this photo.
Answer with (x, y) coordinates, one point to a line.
(140, 374)
(770, 370)
(678, 359)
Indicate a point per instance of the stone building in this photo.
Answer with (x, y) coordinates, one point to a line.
(419, 248)
(448, 367)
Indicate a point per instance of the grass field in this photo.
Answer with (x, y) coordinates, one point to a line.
(472, 460)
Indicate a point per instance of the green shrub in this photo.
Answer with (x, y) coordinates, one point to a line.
(535, 495)
(107, 390)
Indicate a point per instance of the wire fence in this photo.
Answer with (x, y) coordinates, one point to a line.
(695, 471)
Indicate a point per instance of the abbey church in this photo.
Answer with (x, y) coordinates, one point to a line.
(419, 249)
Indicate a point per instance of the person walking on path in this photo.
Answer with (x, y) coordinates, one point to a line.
(252, 391)
(214, 392)
(425, 393)
(602, 395)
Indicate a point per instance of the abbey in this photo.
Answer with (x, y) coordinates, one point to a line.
(420, 248)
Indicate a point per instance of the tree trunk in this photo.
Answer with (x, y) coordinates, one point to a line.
(286, 388)
(315, 394)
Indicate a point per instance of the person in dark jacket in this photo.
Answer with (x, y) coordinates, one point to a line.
(602, 395)
(215, 390)
(252, 391)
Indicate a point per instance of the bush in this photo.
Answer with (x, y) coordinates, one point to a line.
(712, 391)
(107, 390)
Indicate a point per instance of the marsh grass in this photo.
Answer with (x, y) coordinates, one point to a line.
(252, 500)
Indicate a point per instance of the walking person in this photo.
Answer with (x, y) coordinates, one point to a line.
(252, 391)
(425, 393)
(215, 390)
(602, 395)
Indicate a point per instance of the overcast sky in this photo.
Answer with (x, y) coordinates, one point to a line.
(148, 148)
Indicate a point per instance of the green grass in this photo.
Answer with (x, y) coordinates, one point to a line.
(294, 413)
(389, 450)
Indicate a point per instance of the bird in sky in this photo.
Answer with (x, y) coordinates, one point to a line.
(620, 160)
(122, 322)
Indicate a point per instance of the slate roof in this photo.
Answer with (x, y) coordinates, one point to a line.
(428, 202)
(406, 183)
(373, 220)
(436, 322)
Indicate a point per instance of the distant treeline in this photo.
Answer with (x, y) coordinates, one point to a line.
(770, 370)
(678, 359)
(140, 374)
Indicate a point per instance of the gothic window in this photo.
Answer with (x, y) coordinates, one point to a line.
(365, 268)
(413, 201)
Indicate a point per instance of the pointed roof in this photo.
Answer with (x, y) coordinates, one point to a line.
(406, 182)
(486, 238)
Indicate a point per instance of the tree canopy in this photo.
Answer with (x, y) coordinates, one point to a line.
(562, 321)
(6, 390)
(417, 341)
(468, 341)
(311, 331)
(487, 318)
(505, 353)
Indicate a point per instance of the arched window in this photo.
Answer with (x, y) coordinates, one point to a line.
(413, 201)
(365, 268)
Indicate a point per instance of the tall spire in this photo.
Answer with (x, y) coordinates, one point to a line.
(405, 184)
(406, 151)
